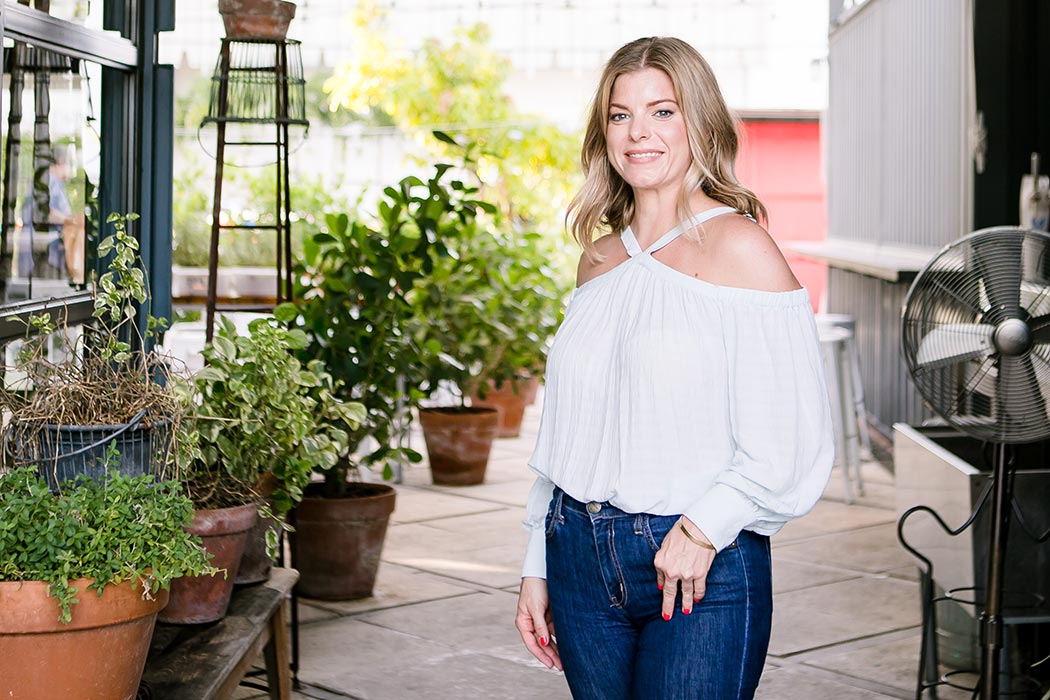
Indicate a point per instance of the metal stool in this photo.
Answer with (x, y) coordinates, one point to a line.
(849, 322)
(837, 370)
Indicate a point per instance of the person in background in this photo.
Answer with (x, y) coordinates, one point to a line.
(685, 417)
(61, 226)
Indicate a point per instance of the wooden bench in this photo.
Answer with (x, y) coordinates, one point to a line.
(207, 662)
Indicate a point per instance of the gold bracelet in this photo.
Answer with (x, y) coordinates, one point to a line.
(694, 538)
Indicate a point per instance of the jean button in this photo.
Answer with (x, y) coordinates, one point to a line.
(594, 507)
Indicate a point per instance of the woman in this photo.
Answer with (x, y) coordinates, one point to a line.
(685, 417)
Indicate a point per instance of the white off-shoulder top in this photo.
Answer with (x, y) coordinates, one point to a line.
(669, 395)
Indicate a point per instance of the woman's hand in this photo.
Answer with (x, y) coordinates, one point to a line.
(534, 622)
(683, 561)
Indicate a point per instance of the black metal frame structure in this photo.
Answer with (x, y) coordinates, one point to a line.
(256, 82)
(136, 145)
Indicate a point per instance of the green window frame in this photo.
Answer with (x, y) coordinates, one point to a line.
(136, 144)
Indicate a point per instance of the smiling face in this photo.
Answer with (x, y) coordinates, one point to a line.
(645, 134)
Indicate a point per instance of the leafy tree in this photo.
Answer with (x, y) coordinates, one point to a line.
(450, 96)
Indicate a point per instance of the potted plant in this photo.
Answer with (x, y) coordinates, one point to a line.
(470, 313)
(356, 283)
(256, 19)
(258, 417)
(531, 295)
(83, 574)
(107, 386)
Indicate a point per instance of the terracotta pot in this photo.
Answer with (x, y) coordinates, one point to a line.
(256, 564)
(99, 655)
(508, 398)
(197, 599)
(256, 19)
(459, 441)
(255, 561)
(337, 542)
(532, 388)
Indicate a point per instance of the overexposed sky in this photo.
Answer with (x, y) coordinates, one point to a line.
(767, 54)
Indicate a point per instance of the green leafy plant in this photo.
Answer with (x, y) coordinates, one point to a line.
(354, 300)
(123, 529)
(490, 305)
(107, 375)
(258, 410)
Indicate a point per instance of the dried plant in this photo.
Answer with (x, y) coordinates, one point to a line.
(107, 375)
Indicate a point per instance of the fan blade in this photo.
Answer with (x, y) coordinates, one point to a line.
(998, 263)
(955, 342)
(1019, 396)
(1040, 326)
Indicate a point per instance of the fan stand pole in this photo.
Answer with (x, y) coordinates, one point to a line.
(991, 620)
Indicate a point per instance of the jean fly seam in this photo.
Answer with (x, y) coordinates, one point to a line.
(619, 569)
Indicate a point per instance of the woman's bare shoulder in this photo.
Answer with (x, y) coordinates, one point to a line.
(610, 254)
(748, 255)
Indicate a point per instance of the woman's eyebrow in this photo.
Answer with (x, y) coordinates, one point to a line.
(650, 104)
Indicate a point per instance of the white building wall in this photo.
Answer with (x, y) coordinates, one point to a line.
(898, 124)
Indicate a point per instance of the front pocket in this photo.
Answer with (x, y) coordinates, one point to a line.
(552, 521)
(655, 533)
(655, 529)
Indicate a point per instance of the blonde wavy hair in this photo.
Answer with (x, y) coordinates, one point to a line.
(606, 200)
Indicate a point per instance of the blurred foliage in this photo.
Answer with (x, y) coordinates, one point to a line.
(449, 96)
(249, 195)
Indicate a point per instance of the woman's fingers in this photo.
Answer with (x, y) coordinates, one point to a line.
(532, 621)
(670, 592)
(682, 563)
(687, 595)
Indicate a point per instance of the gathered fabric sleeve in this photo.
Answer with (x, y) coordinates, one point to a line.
(780, 420)
(535, 516)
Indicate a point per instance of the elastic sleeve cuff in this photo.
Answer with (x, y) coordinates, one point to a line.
(721, 514)
(535, 555)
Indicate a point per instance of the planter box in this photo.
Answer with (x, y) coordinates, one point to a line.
(947, 471)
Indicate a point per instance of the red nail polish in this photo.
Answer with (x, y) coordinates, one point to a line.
(666, 617)
(543, 641)
(687, 611)
(659, 586)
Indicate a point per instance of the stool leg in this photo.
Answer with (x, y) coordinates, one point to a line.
(851, 419)
(858, 398)
(276, 654)
(833, 374)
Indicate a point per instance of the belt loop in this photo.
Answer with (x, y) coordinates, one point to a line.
(558, 497)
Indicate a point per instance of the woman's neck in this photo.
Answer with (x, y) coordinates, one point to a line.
(656, 213)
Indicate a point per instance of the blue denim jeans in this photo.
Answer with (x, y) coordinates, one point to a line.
(611, 635)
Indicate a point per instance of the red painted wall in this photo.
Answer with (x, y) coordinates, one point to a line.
(781, 162)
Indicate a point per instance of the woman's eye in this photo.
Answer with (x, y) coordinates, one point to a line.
(664, 113)
(617, 117)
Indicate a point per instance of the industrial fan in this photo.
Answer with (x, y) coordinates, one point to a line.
(976, 337)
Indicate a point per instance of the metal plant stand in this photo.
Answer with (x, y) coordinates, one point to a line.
(258, 94)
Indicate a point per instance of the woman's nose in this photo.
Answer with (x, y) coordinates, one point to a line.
(639, 129)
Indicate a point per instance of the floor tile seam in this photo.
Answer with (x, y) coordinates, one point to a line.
(484, 499)
(847, 644)
(858, 644)
(328, 693)
(444, 517)
(875, 576)
(456, 579)
(854, 577)
(805, 539)
(357, 613)
(453, 517)
(476, 586)
(851, 681)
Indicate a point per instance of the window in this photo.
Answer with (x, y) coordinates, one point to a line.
(85, 122)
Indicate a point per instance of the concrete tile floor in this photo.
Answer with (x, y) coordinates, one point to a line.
(440, 624)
